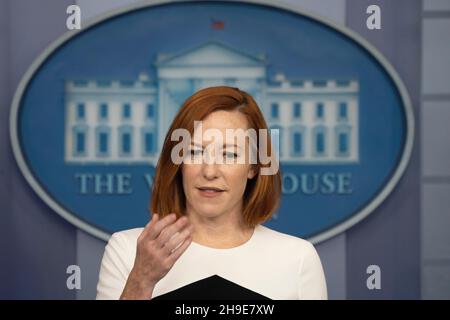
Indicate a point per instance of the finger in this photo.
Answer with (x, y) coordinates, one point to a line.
(170, 230)
(153, 220)
(178, 238)
(149, 225)
(161, 224)
(179, 251)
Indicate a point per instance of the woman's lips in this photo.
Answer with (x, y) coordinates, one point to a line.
(209, 193)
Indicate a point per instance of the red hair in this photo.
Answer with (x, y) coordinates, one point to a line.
(262, 194)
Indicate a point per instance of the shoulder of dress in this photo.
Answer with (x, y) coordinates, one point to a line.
(285, 240)
(128, 236)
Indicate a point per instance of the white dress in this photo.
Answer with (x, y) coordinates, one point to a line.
(272, 264)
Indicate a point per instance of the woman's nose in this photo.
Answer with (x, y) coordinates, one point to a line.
(210, 167)
(210, 170)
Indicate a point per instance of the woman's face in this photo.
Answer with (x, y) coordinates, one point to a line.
(226, 180)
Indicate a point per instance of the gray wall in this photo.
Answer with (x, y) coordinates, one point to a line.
(390, 236)
(37, 245)
(435, 113)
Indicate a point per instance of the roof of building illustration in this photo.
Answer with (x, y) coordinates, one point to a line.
(212, 52)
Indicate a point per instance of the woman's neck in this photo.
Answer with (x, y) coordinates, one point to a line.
(222, 232)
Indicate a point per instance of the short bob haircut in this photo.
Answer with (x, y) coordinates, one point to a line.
(262, 194)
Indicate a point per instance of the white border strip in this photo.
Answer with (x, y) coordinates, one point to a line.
(406, 155)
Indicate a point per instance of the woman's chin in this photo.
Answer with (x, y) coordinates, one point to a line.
(209, 213)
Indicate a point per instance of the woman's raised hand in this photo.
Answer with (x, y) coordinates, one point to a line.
(159, 246)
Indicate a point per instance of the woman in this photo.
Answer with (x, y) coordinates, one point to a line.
(205, 238)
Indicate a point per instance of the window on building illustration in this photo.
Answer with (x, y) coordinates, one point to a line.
(79, 134)
(297, 110)
(149, 145)
(148, 140)
(103, 111)
(103, 141)
(80, 83)
(343, 111)
(230, 81)
(80, 142)
(319, 110)
(81, 111)
(343, 143)
(297, 138)
(126, 143)
(104, 83)
(320, 141)
(298, 142)
(342, 140)
(126, 111)
(319, 83)
(342, 83)
(297, 83)
(150, 111)
(274, 110)
(126, 83)
(276, 136)
(125, 140)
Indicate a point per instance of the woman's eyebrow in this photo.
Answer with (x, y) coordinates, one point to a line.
(195, 144)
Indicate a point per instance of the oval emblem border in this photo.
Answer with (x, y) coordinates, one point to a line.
(322, 236)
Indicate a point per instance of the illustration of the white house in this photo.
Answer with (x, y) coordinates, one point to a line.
(125, 121)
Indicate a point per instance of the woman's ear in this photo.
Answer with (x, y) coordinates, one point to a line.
(251, 172)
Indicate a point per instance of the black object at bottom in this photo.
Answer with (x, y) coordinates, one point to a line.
(212, 288)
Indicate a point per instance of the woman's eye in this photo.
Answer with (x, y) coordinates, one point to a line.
(196, 152)
(230, 154)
